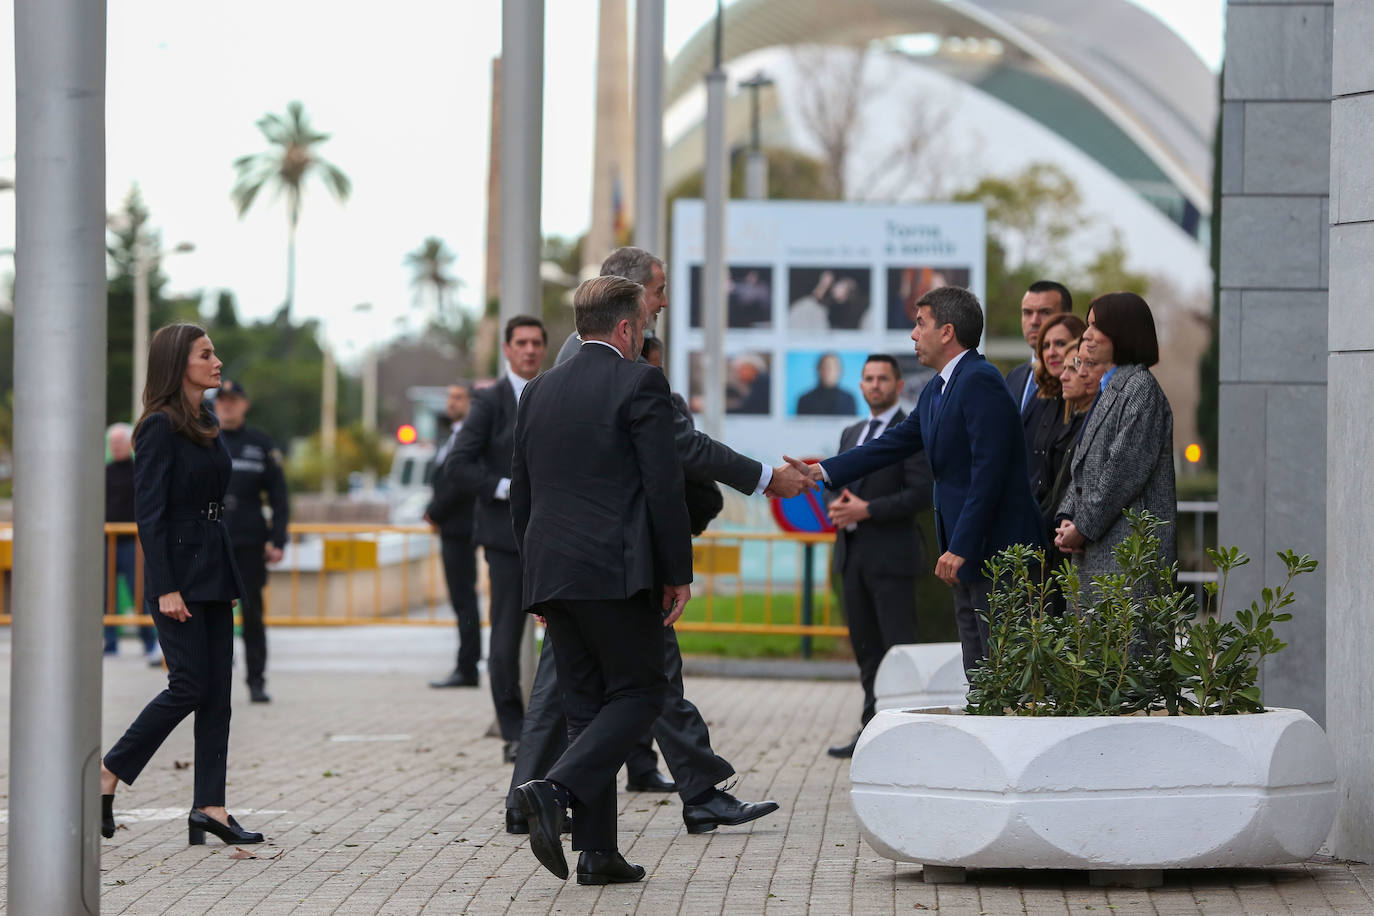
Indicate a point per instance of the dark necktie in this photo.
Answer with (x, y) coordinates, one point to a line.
(938, 383)
(872, 430)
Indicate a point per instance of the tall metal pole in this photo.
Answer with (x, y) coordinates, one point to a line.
(522, 157)
(713, 271)
(522, 154)
(329, 418)
(59, 407)
(142, 310)
(648, 228)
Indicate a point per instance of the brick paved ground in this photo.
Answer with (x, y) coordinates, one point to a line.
(411, 820)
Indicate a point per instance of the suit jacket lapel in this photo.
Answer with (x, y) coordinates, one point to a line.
(945, 392)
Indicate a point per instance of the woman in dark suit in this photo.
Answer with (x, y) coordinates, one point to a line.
(1045, 420)
(1124, 458)
(181, 472)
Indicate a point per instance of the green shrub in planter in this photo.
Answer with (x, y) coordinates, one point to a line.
(1131, 642)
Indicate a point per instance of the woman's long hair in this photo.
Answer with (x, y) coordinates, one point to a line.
(1048, 385)
(165, 391)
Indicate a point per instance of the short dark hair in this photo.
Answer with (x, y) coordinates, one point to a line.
(1127, 321)
(632, 263)
(525, 321)
(601, 303)
(651, 345)
(956, 306)
(889, 360)
(1050, 286)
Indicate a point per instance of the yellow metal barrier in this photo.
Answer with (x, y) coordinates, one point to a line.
(354, 574)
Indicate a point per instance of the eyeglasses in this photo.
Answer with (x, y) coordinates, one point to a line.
(1080, 363)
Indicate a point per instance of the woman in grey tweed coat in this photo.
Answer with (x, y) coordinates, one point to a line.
(1125, 455)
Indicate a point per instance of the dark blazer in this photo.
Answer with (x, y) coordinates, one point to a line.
(888, 540)
(977, 455)
(1016, 381)
(608, 518)
(480, 458)
(700, 454)
(175, 481)
(450, 508)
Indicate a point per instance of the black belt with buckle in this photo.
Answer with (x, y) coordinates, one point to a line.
(214, 512)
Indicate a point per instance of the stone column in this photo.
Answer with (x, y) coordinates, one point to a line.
(1350, 434)
(1275, 179)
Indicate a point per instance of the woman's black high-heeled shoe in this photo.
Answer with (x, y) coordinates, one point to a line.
(107, 824)
(199, 822)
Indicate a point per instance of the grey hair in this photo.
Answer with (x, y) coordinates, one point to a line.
(124, 428)
(954, 305)
(632, 263)
(601, 303)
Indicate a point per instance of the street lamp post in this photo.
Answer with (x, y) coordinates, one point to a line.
(713, 271)
(143, 268)
(756, 166)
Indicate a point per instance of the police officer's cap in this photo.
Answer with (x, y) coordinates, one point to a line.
(231, 388)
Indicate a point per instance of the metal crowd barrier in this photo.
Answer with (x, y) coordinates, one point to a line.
(368, 574)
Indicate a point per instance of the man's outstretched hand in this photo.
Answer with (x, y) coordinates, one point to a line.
(675, 598)
(789, 479)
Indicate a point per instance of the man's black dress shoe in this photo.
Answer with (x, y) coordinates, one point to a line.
(844, 750)
(723, 810)
(544, 819)
(258, 694)
(509, 751)
(198, 823)
(652, 781)
(107, 824)
(607, 868)
(515, 822)
(456, 679)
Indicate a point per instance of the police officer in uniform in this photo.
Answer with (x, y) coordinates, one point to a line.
(257, 470)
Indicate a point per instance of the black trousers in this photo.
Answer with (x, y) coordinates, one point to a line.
(200, 657)
(460, 572)
(503, 652)
(970, 604)
(544, 734)
(253, 570)
(680, 731)
(881, 612)
(610, 666)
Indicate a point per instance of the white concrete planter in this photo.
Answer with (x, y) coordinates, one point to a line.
(920, 675)
(1106, 793)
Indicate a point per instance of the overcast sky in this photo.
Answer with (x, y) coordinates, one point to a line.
(404, 88)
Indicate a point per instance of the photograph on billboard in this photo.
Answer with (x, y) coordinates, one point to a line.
(748, 296)
(828, 298)
(811, 289)
(906, 286)
(748, 383)
(824, 383)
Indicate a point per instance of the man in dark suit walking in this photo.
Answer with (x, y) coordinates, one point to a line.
(968, 424)
(480, 464)
(1043, 300)
(450, 511)
(605, 546)
(878, 550)
(680, 730)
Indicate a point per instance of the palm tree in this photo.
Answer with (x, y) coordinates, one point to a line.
(429, 264)
(290, 159)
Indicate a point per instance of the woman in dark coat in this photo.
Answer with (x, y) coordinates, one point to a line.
(1078, 386)
(1045, 421)
(181, 472)
(1124, 458)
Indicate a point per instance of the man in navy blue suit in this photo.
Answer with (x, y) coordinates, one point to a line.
(970, 429)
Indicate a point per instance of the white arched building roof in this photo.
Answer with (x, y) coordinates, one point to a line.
(1106, 76)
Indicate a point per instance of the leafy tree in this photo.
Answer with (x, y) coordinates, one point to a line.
(129, 233)
(430, 269)
(291, 158)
